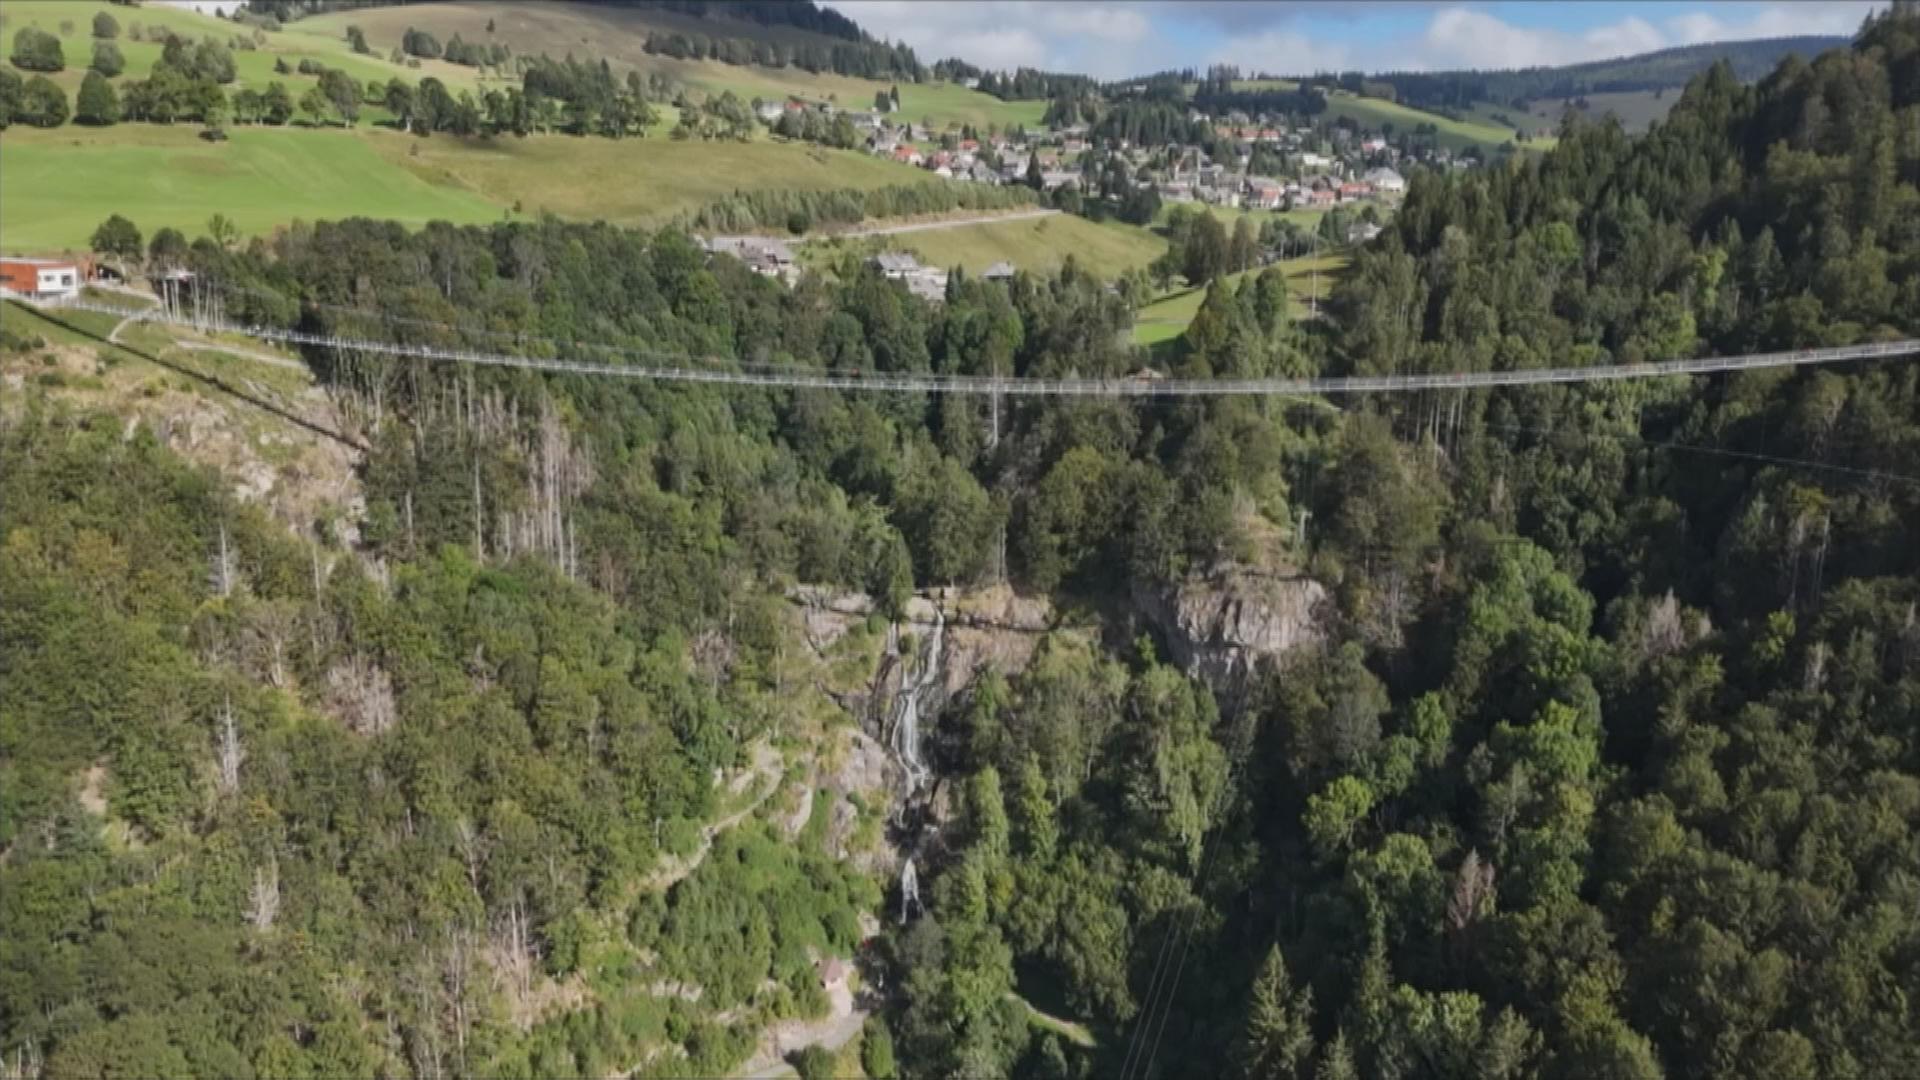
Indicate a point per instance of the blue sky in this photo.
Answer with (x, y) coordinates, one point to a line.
(1111, 38)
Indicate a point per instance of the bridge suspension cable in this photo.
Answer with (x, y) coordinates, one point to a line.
(1023, 386)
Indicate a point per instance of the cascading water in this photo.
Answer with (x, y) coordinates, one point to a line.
(915, 685)
(906, 724)
(909, 889)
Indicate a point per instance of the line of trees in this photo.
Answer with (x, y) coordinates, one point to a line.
(866, 60)
(750, 211)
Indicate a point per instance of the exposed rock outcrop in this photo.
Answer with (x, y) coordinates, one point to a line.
(1224, 626)
(987, 629)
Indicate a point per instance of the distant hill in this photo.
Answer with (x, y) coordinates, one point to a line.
(1662, 70)
(797, 14)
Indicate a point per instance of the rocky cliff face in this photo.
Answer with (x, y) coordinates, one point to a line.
(986, 629)
(1226, 625)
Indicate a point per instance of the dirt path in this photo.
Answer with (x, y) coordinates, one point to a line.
(113, 336)
(233, 350)
(766, 765)
(798, 822)
(1073, 1030)
(831, 1032)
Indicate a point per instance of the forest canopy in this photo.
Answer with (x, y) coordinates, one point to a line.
(1603, 758)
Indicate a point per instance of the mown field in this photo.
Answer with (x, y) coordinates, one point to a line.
(618, 35)
(629, 181)
(57, 186)
(1106, 249)
(1166, 318)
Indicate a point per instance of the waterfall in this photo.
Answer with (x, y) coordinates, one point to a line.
(909, 889)
(906, 725)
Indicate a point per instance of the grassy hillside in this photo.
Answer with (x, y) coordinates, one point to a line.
(618, 34)
(1107, 249)
(1166, 318)
(1452, 134)
(56, 186)
(1636, 109)
(1373, 113)
(253, 66)
(629, 182)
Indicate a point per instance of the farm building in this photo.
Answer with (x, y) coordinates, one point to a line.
(42, 278)
(897, 266)
(772, 258)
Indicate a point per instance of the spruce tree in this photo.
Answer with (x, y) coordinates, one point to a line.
(1278, 1040)
(1336, 1062)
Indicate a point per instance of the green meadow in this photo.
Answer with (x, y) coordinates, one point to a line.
(618, 34)
(57, 186)
(1105, 249)
(1166, 318)
(72, 22)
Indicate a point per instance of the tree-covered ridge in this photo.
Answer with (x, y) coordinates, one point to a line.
(1661, 70)
(1604, 759)
(318, 774)
(1582, 788)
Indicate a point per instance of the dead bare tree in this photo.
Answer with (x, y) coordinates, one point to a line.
(232, 754)
(510, 953)
(263, 900)
(1472, 892)
(362, 695)
(473, 851)
(1664, 633)
(223, 575)
(1816, 673)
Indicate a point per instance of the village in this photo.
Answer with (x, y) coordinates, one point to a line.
(1298, 171)
(1267, 164)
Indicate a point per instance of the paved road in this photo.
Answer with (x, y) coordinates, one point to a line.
(928, 226)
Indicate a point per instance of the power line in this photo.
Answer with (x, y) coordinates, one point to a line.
(1717, 451)
(1127, 386)
(1146, 1035)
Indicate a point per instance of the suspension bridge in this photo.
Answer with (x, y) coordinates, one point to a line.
(1139, 385)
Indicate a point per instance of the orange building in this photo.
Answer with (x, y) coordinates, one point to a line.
(42, 278)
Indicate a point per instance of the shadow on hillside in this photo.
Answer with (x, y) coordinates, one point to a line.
(213, 381)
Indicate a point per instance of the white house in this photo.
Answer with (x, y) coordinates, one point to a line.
(45, 279)
(1386, 181)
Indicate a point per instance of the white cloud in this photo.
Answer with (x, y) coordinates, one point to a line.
(1462, 37)
(1114, 38)
(1774, 20)
(1106, 22)
(1459, 37)
(1103, 39)
(1283, 52)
